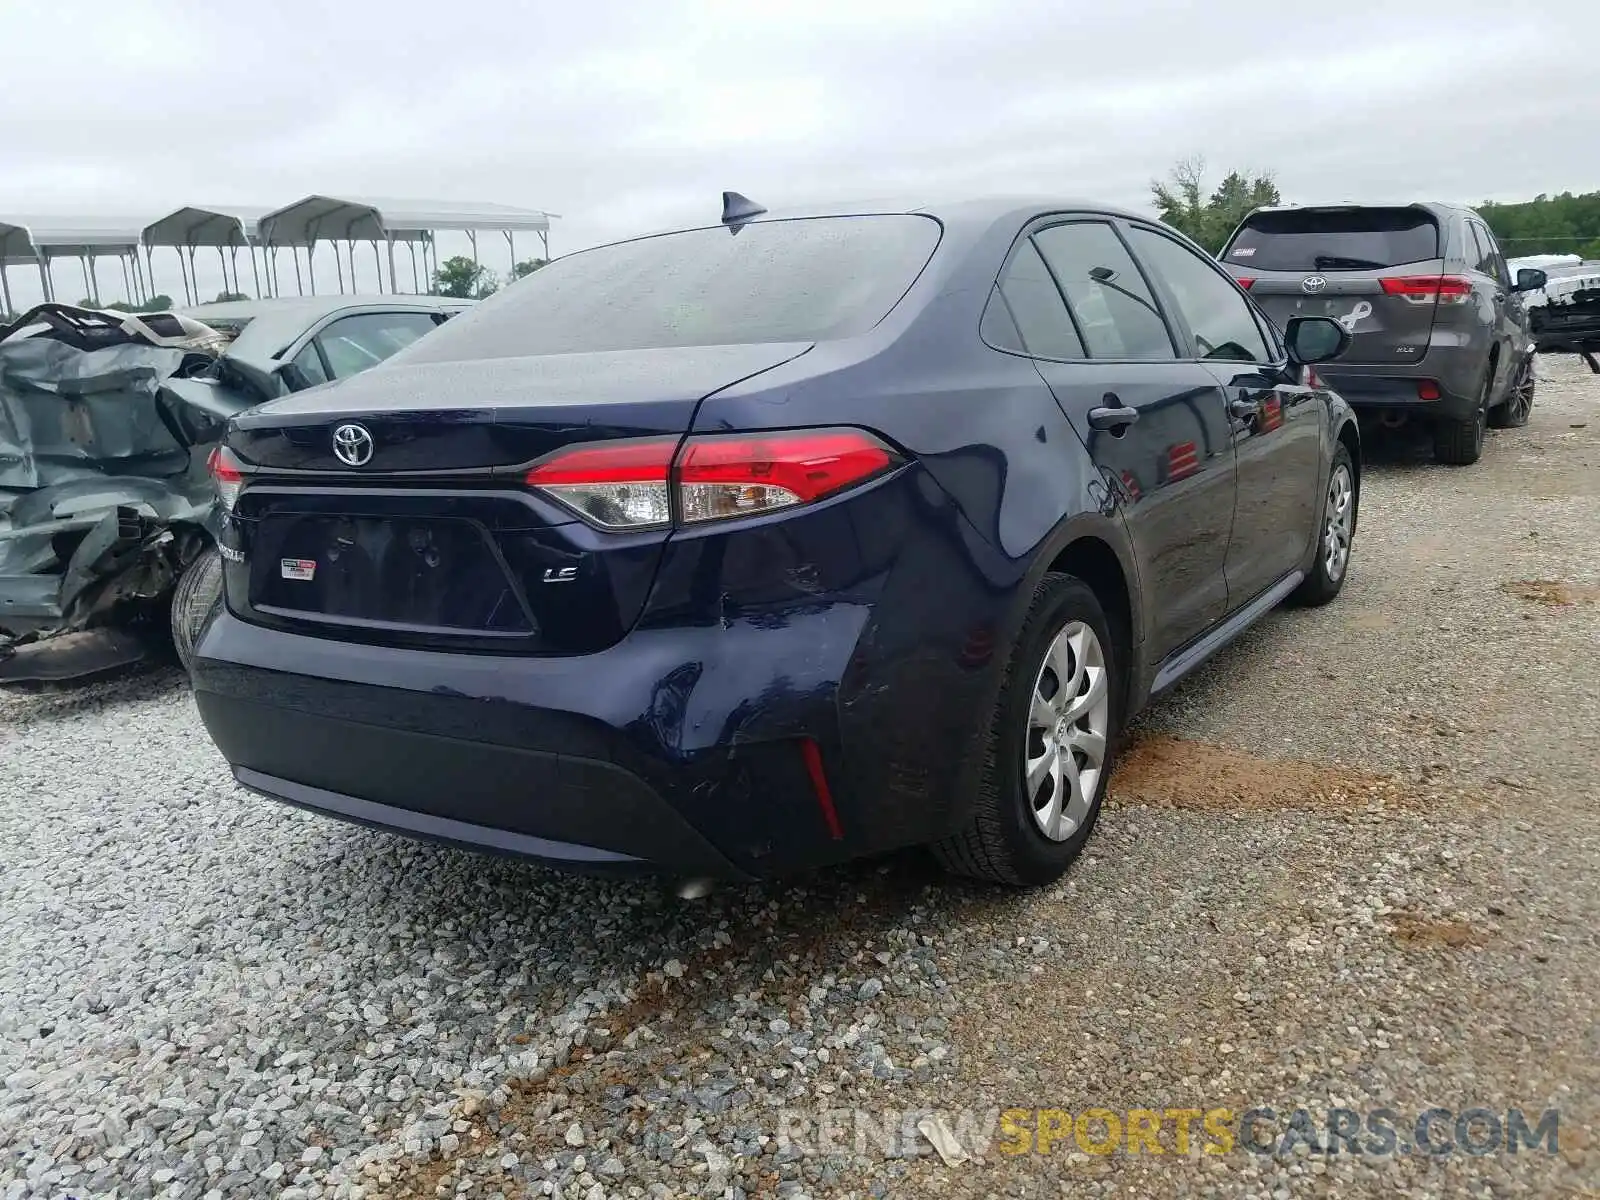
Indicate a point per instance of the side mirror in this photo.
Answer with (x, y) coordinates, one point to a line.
(1530, 279)
(1315, 339)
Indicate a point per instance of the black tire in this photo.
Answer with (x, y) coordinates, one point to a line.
(1459, 443)
(1518, 406)
(198, 592)
(1323, 582)
(1003, 843)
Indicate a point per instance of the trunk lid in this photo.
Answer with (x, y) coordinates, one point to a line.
(1334, 262)
(435, 542)
(479, 417)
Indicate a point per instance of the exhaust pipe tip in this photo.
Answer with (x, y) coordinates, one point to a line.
(694, 889)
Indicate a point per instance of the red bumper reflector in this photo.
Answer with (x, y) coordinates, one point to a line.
(812, 753)
(1427, 389)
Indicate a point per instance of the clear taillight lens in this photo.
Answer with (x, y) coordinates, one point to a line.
(226, 475)
(639, 484)
(619, 485)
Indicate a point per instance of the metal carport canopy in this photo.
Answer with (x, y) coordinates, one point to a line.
(361, 218)
(223, 226)
(83, 238)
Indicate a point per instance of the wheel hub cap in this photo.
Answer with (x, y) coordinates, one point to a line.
(1069, 717)
(1339, 523)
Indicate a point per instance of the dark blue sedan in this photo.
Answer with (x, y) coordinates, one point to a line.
(754, 547)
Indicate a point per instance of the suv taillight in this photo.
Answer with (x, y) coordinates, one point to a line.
(1426, 289)
(650, 483)
(225, 473)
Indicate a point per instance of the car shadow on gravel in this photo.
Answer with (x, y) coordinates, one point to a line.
(505, 913)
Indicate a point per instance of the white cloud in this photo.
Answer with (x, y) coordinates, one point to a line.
(631, 116)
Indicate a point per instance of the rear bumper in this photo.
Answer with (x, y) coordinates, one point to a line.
(1456, 370)
(581, 762)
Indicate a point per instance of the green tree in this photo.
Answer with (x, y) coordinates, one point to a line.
(464, 279)
(1183, 202)
(225, 297)
(1564, 224)
(526, 267)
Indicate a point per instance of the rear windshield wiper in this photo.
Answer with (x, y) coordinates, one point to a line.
(1337, 262)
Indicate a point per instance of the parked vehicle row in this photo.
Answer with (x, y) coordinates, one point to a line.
(761, 545)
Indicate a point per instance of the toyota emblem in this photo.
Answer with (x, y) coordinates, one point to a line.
(1312, 284)
(352, 445)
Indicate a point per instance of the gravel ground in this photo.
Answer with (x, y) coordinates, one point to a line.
(1351, 864)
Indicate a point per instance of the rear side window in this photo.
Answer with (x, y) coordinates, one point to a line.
(1116, 315)
(766, 281)
(1344, 239)
(1027, 313)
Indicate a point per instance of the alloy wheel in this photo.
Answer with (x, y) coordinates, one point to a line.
(1520, 402)
(1338, 525)
(1069, 718)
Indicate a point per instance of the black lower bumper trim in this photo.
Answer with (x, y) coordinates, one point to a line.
(433, 828)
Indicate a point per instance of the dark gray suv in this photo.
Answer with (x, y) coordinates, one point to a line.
(1439, 329)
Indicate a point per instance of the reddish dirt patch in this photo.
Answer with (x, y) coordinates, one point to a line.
(1167, 772)
(1553, 592)
(1412, 929)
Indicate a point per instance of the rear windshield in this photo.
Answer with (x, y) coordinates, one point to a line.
(1346, 239)
(769, 281)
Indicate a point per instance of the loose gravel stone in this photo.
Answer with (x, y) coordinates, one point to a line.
(1351, 863)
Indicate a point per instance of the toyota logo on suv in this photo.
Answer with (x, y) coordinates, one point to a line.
(1312, 284)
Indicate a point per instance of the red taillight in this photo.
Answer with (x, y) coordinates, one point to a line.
(1246, 282)
(616, 485)
(637, 485)
(1427, 389)
(1426, 289)
(226, 475)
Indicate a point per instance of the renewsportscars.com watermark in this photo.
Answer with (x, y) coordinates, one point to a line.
(981, 1133)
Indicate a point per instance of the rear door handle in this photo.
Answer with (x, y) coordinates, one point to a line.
(1112, 419)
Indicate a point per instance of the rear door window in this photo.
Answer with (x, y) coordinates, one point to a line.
(1027, 313)
(1344, 239)
(1116, 314)
(353, 344)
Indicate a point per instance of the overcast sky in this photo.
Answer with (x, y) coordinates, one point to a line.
(624, 117)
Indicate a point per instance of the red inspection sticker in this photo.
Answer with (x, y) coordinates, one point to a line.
(298, 568)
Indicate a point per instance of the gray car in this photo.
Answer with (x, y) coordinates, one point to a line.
(1439, 328)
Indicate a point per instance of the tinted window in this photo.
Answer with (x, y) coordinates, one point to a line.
(1489, 262)
(1346, 239)
(768, 281)
(310, 364)
(1220, 318)
(1038, 322)
(352, 344)
(1117, 316)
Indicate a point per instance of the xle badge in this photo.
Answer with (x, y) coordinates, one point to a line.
(298, 568)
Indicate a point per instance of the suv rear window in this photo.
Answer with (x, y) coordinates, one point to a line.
(1345, 239)
(768, 281)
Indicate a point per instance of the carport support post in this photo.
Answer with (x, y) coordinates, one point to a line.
(5, 290)
(394, 287)
(150, 270)
(127, 283)
(378, 266)
(338, 266)
(311, 263)
(255, 275)
(194, 277)
(88, 288)
(511, 245)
